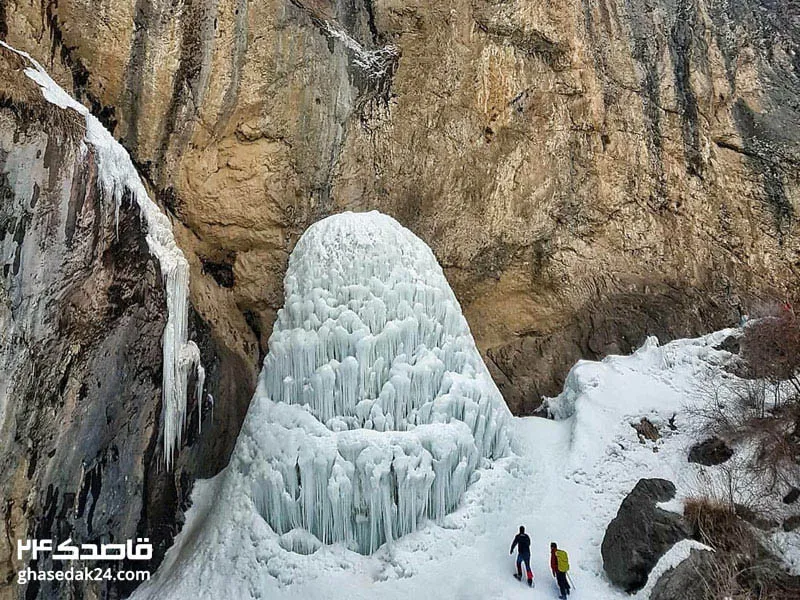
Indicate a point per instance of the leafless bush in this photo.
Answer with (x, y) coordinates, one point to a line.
(741, 568)
(760, 409)
(771, 350)
(736, 485)
(745, 413)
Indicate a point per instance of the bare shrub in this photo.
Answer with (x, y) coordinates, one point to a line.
(756, 407)
(741, 568)
(760, 409)
(737, 485)
(771, 349)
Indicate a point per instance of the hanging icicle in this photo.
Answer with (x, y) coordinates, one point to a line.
(116, 174)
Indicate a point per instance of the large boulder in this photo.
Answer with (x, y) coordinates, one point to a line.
(687, 580)
(710, 452)
(641, 533)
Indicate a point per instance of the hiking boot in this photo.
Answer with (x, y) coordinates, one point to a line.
(530, 582)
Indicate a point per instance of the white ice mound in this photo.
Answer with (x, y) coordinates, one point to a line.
(374, 407)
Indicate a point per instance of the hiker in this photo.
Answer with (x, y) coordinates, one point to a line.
(559, 563)
(523, 545)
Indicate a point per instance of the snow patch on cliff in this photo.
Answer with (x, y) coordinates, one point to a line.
(116, 174)
(376, 64)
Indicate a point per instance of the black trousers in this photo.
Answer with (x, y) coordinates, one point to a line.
(563, 584)
(526, 558)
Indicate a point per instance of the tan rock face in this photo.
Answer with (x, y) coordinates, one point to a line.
(587, 173)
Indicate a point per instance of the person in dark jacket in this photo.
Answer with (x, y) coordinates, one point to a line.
(523, 545)
(560, 569)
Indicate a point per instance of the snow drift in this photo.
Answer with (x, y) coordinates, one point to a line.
(564, 481)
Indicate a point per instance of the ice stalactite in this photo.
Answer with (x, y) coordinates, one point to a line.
(117, 175)
(373, 408)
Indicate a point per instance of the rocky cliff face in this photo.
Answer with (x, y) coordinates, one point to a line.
(587, 172)
(82, 312)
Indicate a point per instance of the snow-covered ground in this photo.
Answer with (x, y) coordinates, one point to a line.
(565, 485)
(564, 480)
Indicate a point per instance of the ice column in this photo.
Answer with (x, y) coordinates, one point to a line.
(373, 407)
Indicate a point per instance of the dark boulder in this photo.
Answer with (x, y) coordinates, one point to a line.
(641, 533)
(791, 523)
(792, 496)
(687, 580)
(756, 519)
(730, 344)
(710, 452)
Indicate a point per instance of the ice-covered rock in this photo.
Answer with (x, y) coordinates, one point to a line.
(374, 407)
(116, 174)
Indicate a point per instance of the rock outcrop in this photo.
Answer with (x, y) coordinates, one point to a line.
(641, 533)
(82, 310)
(82, 313)
(688, 580)
(710, 452)
(587, 173)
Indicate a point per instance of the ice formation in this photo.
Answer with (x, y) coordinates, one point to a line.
(373, 407)
(564, 481)
(116, 174)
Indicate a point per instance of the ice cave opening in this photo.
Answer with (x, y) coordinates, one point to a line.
(373, 408)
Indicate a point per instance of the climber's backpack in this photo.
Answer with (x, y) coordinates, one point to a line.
(563, 561)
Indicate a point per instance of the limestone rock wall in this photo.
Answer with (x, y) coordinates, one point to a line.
(82, 311)
(587, 172)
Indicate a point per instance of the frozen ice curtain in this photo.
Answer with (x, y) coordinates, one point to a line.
(373, 408)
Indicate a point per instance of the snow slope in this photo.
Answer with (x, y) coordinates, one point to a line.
(564, 480)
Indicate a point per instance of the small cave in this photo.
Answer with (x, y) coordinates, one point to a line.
(220, 268)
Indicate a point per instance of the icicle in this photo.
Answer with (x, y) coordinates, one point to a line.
(116, 174)
(198, 391)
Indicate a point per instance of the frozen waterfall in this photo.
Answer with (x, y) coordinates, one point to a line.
(116, 174)
(373, 408)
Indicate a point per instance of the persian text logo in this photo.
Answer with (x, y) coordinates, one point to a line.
(142, 549)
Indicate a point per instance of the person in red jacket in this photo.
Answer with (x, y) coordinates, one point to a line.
(561, 576)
